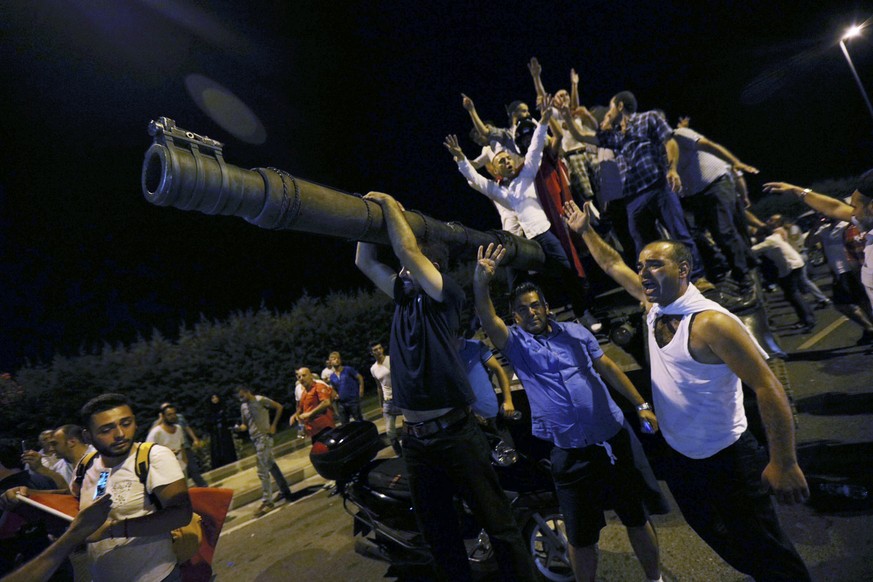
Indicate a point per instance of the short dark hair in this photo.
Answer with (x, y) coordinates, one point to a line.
(72, 431)
(510, 109)
(101, 403)
(436, 252)
(377, 343)
(679, 252)
(627, 98)
(523, 289)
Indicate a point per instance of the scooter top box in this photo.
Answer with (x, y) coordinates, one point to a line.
(339, 453)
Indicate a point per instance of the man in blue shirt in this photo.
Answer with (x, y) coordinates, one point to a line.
(596, 460)
(647, 156)
(349, 385)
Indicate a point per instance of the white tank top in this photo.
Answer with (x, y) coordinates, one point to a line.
(699, 406)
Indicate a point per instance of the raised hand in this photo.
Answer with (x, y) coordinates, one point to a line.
(746, 168)
(574, 77)
(487, 261)
(579, 221)
(534, 67)
(781, 188)
(467, 103)
(454, 147)
(546, 108)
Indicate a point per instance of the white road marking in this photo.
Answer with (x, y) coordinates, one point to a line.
(821, 335)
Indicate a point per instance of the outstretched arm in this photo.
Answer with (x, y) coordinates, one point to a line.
(406, 247)
(731, 343)
(486, 267)
(828, 206)
(379, 273)
(44, 565)
(722, 152)
(607, 257)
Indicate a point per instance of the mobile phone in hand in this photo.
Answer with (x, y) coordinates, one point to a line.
(100, 490)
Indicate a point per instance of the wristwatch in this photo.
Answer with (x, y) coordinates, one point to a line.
(804, 192)
(644, 406)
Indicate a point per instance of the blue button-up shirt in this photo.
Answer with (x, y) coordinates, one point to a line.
(570, 404)
(640, 151)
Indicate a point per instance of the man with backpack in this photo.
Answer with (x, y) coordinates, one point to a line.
(149, 496)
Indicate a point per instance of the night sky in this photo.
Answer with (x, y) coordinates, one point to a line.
(357, 95)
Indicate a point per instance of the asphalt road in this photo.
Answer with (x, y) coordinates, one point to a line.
(832, 382)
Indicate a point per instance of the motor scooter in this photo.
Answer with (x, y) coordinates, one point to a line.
(375, 492)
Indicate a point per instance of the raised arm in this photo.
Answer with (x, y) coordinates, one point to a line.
(474, 116)
(607, 257)
(574, 89)
(406, 247)
(828, 206)
(536, 71)
(730, 342)
(379, 273)
(486, 267)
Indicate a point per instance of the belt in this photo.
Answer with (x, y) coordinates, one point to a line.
(435, 425)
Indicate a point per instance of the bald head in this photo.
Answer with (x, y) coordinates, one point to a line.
(304, 376)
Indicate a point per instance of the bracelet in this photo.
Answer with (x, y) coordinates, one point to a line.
(644, 406)
(804, 192)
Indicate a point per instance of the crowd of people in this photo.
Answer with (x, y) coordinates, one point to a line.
(663, 211)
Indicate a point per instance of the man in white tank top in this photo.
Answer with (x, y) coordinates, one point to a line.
(700, 354)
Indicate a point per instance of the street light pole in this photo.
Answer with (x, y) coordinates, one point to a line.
(852, 32)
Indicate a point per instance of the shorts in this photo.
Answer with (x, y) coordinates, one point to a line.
(587, 483)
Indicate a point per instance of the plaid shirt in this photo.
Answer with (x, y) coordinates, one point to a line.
(640, 151)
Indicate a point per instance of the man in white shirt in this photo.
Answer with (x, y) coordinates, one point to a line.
(134, 543)
(381, 372)
(789, 265)
(170, 434)
(700, 353)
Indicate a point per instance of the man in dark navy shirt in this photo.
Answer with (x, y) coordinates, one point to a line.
(445, 451)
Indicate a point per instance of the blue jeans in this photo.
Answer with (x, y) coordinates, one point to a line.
(458, 460)
(724, 501)
(662, 204)
(349, 409)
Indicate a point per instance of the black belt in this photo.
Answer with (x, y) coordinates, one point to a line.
(434, 425)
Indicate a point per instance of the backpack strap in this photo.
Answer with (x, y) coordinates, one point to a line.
(84, 464)
(141, 468)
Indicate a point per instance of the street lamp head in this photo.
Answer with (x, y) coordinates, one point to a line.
(852, 32)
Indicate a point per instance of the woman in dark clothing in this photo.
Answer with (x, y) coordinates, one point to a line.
(221, 440)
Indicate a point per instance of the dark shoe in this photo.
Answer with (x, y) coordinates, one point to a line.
(866, 338)
(264, 509)
(703, 285)
(824, 304)
(807, 328)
